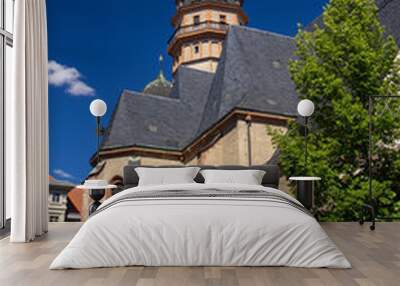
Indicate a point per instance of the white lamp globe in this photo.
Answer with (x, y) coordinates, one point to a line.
(306, 108)
(98, 108)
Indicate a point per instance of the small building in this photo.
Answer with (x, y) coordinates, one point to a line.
(60, 208)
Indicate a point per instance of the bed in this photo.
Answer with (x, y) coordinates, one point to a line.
(198, 224)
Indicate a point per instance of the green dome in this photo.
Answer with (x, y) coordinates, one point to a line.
(159, 86)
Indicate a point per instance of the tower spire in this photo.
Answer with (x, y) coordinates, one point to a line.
(160, 85)
(161, 62)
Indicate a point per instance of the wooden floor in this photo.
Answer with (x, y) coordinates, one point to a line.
(375, 257)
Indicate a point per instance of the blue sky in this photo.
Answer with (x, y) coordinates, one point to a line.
(97, 48)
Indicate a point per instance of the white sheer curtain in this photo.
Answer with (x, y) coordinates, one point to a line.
(27, 124)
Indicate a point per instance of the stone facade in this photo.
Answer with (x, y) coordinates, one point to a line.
(230, 149)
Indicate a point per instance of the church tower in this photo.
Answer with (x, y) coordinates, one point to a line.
(200, 29)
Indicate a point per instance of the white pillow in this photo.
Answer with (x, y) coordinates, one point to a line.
(166, 176)
(244, 177)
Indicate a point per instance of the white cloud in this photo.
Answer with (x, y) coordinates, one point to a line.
(80, 88)
(62, 174)
(70, 77)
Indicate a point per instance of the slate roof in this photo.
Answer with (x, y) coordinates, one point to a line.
(389, 13)
(252, 75)
(75, 196)
(158, 121)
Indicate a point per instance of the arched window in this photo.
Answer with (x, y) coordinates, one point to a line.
(119, 182)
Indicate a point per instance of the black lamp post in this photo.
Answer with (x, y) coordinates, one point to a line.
(306, 109)
(305, 185)
(98, 108)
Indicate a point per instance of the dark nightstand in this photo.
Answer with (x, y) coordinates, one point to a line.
(305, 190)
(96, 192)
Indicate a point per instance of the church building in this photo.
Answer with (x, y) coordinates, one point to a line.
(230, 84)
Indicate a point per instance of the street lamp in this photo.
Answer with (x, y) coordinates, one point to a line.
(306, 109)
(98, 108)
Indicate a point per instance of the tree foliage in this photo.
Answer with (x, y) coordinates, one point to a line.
(338, 67)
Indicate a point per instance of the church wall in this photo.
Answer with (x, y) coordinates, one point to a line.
(148, 161)
(114, 167)
(208, 66)
(231, 18)
(216, 48)
(207, 48)
(262, 148)
(223, 152)
(231, 149)
(187, 53)
(243, 156)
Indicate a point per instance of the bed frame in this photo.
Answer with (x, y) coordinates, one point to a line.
(271, 178)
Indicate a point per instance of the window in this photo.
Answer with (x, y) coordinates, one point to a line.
(196, 49)
(119, 182)
(56, 198)
(222, 19)
(196, 20)
(6, 42)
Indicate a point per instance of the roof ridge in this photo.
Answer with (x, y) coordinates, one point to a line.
(111, 121)
(138, 93)
(220, 71)
(246, 66)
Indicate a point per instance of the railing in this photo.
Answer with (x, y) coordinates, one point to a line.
(220, 26)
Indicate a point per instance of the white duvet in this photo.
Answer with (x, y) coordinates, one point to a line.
(200, 232)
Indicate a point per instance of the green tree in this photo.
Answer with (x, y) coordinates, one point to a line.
(338, 66)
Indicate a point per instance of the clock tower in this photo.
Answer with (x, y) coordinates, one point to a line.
(200, 29)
